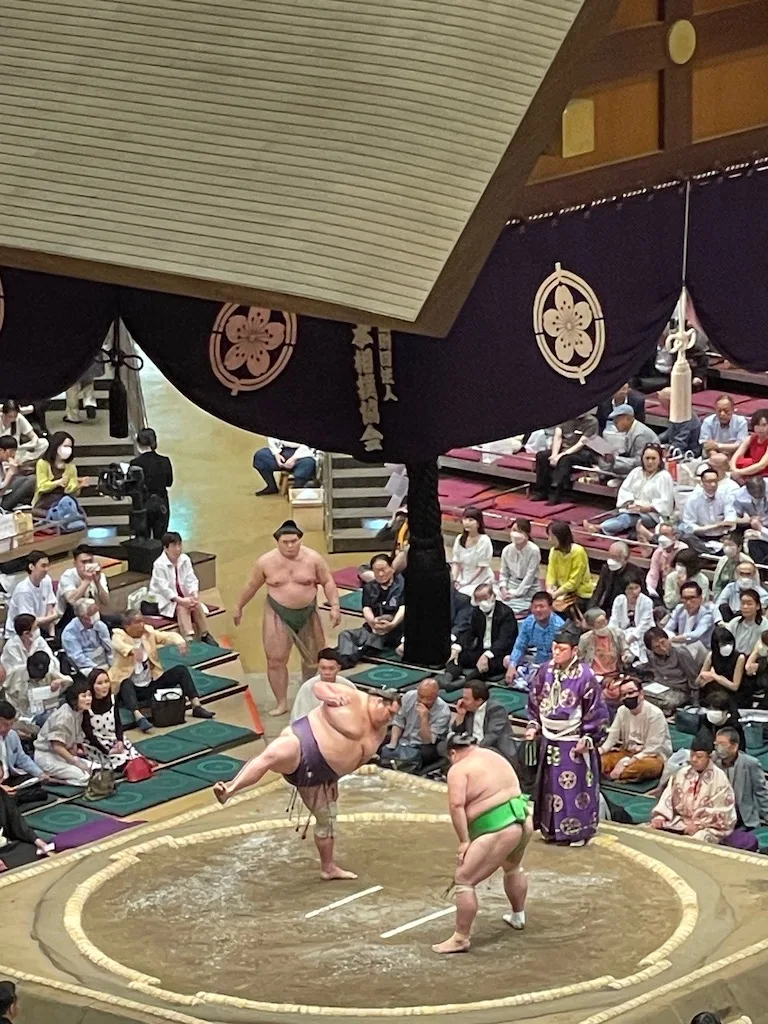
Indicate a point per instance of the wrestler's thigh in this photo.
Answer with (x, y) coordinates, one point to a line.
(515, 858)
(486, 854)
(277, 639)
(283, 753)
(313, 635)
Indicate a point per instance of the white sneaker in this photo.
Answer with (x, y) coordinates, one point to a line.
(515, 920)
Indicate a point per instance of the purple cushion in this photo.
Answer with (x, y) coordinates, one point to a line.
(91, 832)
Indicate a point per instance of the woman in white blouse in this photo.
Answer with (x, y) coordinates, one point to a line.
(646, 496)
(472, 554)
(632, 614)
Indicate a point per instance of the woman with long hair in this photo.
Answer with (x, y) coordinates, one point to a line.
(472, 554)
(103, 727)
(56, 473)
(646, 496)
(569, 580)
(723, 669)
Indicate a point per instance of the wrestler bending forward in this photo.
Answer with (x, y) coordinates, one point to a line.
(314, 752)
(491, 819)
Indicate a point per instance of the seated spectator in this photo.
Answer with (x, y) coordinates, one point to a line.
(288, 457)
(484, 719)
(25, 688)
(472, 554)
(56, 474)
(720, 712)
(751, 457)
(16, 766)
(33, 596)
(757, 664)
(569, 579)
(533, 645)
(692, 621)
(751, 504)
(86, 639)
(82, 391)
(479, 652)
(636, 436)
(602, 648)
(670, 665)
(137, 672)
(105, 739)
(681, 437)
(624, 396)
(746, 776)
(177, 589)
(13, 424)
(84, 579)
(632, 616)
(668, 543)
(723, 669)
(384, 614)
(421, 723)
(638, 742)
(698, 801)
(59, 744)
(724, 429)
(748, 625)
(16, 487)
(707, 514)
(687, 569)
(554, 465)
(747, 578)
(646, 496)
(14, 828)
(328, 665)
(26, 639)
(158, 478)
(520, 564)
(727, 567)
(615, 573)
(727, 486)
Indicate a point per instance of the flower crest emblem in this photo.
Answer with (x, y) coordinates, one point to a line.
(251, 346)
(569, 325)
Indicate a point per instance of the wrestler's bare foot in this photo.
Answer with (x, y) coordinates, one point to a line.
(335, 873)
(281, 709)
(221, 792)
(456, 944)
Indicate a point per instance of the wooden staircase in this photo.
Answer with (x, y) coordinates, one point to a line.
(355, 503)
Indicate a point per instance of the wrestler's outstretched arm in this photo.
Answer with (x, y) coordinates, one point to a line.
(257, 580)
(333, 695)
(328, 584)
(344, 710)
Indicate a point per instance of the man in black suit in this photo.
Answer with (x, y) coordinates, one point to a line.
(158, 477)
(479, 649)
(485, 719)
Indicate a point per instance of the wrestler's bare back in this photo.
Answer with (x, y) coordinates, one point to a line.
(292, 582)
(489, 780)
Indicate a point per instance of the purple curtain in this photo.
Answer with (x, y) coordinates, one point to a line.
(728, 265)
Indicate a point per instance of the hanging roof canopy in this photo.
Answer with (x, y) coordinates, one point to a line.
(324, 156)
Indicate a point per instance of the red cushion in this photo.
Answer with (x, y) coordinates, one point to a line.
(460, 491)
(470, 454)
(750, 405)
(347, 578)
(522, 460)
(497, 520)
(708, 398)
(523, 506)
(579, 512)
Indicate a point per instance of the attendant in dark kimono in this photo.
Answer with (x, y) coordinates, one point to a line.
(567, 714)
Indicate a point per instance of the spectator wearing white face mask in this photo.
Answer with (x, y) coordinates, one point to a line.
(56, 473)
(520, 565)
(747, 578)
(686, 569)
(86, 639)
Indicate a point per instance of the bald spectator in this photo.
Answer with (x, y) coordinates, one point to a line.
(723, 430)
(422, 721)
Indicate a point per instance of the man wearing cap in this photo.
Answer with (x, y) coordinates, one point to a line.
(314, 752)
(698, 800)
(568, 717)
(292, 573)
(636, 436)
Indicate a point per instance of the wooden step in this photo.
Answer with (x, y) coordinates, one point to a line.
(366, 475)
(356, 539)
(355, 497)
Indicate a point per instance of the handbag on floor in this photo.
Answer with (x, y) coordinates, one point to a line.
(101, 783)
(138, 769)
(168, 708)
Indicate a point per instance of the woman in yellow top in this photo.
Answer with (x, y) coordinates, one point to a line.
(569, 579)
(56, 473)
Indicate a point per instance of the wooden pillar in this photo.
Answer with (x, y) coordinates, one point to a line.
(676, 121)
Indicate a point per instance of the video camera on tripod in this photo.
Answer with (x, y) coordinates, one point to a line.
(120, 481)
